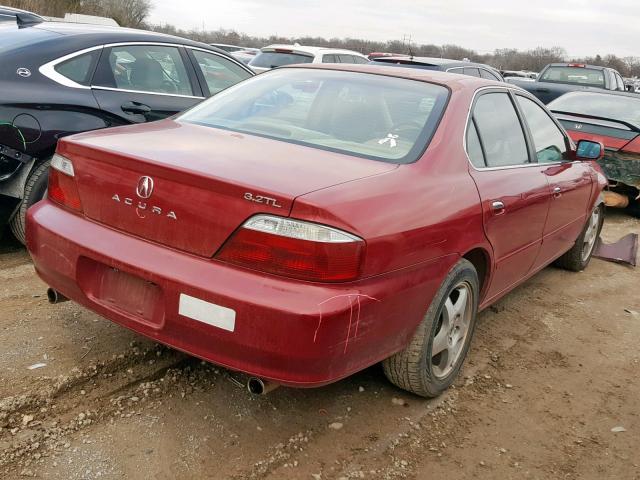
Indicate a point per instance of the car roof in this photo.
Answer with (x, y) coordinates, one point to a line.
(311, 50)
(430, 76)
(575, 65)
(109, 34)
(598, 91)
(430, 61)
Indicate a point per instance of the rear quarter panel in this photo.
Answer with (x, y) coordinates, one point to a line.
(421, 217)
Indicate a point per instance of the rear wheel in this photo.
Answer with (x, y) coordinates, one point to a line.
(434, 357)
(34, 191)
(580, 254)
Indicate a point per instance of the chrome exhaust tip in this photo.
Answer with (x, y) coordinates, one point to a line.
(258, 386)
(55, 296)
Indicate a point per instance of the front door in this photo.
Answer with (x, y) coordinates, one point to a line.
(141, 83)
(569, 182)
(513, 190)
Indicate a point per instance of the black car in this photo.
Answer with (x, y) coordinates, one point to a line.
(58, 79)
(442, 64)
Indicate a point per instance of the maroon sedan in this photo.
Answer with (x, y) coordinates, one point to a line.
(310, 222)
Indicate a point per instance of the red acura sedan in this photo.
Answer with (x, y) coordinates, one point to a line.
(312, 221)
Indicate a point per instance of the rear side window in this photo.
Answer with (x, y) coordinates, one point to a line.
(548, 140)
(346, 58)
(474, 147)
(278, 59)
(472, 72)
(500, 130)
(219, 72)
(360, 60)
(144, 68)
(484, 73)
(79, 69)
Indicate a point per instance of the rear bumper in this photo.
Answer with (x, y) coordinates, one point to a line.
(295, 333)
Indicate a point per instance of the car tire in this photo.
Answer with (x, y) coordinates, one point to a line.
(416, 369)
(34, 191)
(580, 254)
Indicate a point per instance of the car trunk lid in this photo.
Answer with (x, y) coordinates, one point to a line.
(189, 186)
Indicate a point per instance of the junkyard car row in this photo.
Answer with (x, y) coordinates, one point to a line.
(299, 225)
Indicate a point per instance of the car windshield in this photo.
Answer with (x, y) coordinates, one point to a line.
(279, 59)
(574, 75)
(372, 116)
(613, 107)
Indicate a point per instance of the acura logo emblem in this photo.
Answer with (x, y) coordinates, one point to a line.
(145, 187)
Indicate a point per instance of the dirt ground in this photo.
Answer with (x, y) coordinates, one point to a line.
(551, 379)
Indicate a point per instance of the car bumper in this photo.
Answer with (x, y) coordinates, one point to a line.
(292, 332)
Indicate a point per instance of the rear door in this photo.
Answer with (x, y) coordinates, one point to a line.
(137, 83)
(570, 182)
(513, 190)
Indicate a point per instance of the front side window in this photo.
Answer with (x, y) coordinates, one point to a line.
(219, 72)
(79, 69)
(549, 142)
(329, 59)
(500, 130)
(144, 68)
(372, 116)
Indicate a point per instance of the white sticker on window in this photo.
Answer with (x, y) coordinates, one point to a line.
(390, 139)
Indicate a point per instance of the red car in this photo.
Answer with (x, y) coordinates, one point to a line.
(612, 118)
(312, 221)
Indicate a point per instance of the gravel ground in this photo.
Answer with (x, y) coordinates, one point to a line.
(550, 391)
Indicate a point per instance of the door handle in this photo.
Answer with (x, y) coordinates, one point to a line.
(135, 108)
(557, 192)
(498, 207)
(542, 90)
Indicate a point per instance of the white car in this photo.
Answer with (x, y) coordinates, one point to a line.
(278, 55)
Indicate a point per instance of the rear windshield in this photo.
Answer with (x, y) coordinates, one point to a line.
(574, 75)
(603, 105)
(372, 116)
(278, 59)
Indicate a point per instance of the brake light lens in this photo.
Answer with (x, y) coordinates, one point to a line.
(294, 248)
(577, 65)
(62, 187)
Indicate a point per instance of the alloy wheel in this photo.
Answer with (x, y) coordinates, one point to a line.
(591, 235)
(452, 329)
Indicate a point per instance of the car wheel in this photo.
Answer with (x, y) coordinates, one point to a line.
(434, 357)
(34, 191)
(580, 254)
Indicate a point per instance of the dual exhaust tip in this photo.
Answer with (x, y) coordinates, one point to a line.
(259, 386)
(255, 385)
(55, 296)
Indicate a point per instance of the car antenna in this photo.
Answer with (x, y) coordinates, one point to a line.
(23, 18)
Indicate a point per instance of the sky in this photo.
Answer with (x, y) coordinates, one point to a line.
(582, 27)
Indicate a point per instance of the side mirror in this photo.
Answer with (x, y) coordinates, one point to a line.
(588, 150)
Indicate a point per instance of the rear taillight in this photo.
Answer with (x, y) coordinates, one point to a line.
(62, 187)
(294, 248)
